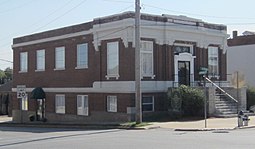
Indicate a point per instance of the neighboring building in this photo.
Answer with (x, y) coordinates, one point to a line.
(87, 71)
(240, 57)
(5, 99)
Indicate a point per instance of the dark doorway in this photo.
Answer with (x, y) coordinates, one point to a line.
(184, 72)
(40, 110)
(39, 95)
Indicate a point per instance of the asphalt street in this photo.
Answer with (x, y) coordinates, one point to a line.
(41, 138)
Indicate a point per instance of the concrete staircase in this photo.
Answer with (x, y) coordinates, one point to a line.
(225, 107)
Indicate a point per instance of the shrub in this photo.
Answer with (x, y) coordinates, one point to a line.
(192, 100)
(250, 94)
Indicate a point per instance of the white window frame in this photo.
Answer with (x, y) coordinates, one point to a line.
(23, 62)
(59, 58)
(40, 60)
(147, 47)
(112, 46)
(82, 105)
(112, 104)
(82, 56)
(213, 52)
(24, 103)
(60, 104)
(152, 103)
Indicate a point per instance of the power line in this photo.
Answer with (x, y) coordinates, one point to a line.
(48, 16)
(230, 24)
(131, 6)
(55, 19)
(4, 2)
(53, 12)
(219, 17)
(17, 7)
(6, 60)
(39, 20)
(118, 1)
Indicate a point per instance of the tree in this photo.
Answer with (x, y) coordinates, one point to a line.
(8, 73)
(2, 76)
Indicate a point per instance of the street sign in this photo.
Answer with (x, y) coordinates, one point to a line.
(21, 91)
(203, 71)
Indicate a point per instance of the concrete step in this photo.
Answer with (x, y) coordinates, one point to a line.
(226, 111)
(225, 100)
(225, 116)
(224, 106)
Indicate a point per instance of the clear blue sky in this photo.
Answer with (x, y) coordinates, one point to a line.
(23, 17)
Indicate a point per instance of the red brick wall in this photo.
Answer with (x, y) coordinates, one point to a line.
(242, 40)
(126, 61)
(70, 77)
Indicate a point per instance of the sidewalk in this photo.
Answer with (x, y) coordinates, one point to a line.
(212, 124)
(192, 125)
(5, 118)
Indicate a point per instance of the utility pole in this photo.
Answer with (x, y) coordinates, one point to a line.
(137, 64)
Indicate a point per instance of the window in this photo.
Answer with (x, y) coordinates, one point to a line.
(40, 60)
(147, 58)
(181, 49)
(213, 61)
(24, 104)
(148, 104)
(60, 104)
(112, 103)
(82, 56)
(60, 58)
(23, 62)
(112, 60)
(82, 105)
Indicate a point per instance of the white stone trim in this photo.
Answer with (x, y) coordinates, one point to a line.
(115, 87)
(162, 32)
(52, 38)
(112, 87)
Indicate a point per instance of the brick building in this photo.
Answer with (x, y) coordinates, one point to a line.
(87, 71)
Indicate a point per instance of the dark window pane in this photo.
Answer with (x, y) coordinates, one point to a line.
(148, 107)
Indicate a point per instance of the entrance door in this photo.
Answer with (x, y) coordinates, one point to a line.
(184, 73)
(40, 113)
(184, 69)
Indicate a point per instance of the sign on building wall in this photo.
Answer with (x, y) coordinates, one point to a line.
(21, 91)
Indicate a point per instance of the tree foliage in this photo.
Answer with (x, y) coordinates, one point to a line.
(6, 75)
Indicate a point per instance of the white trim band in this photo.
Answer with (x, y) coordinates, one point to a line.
(112, 87)
(52, 38)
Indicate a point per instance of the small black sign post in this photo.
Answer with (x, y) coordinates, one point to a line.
(203, 71)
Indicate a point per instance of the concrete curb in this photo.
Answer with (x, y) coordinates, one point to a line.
(203, 129)
(72, 126)
(245, 127)
(212, 129)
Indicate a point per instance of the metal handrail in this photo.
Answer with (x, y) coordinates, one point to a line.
(220, 89)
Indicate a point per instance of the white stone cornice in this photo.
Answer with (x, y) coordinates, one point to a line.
(162, 32)
(52, 38)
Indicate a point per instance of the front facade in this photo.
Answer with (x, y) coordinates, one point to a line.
(87, 71)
